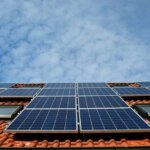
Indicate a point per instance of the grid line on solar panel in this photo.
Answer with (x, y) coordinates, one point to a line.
(101, 102)
(18, 92)
(90, 85)
(95, 91)
(52, 102)
(45, 120)
(60, 85)
(57, 92)
(111, 120)
(132, 91)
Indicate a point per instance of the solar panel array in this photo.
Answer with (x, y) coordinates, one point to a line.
(60, 85)
(57, 92)
(53, 102)
(108, 120)
(15, 92)
(144, 84)
(82, 107)
(52, 110)
(90, 85)
(101, 102)
(132, 91)
(96, 91)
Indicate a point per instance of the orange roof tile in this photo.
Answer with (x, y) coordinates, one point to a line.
(9, 140)
(135, 102)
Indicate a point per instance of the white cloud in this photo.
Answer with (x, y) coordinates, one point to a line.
(74, 41)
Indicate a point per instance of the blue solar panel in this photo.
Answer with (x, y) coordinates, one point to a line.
(1, 90)
(96, 91)
(101, 102)
(144, 84)
(57, 92)
(60, 85)
(132, 91)
(82, 107)
(111, 120)
(18, 92)
(41, 120)
(6, 85)
(53, 102)
(96, 85)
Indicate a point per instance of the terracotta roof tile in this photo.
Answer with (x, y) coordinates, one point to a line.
(135, 102)
(24, 103)
(9, 140)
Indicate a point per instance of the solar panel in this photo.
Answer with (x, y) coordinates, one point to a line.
(96, 85)
(57, 92)
(45, 120)
(18, 92)
(132, 91)
(53, 102)
(6, 85)
(111, 120)
(60, 85)
(144, 84)
(96, 91)
(82, 107)
(1, 90)
(101, 102)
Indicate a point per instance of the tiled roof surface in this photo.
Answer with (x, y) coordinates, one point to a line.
(23, 103)
(135, 102)
(13, 140)
(124, 84)
(8, 140)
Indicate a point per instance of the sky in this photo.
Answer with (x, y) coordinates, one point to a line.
(74, 40)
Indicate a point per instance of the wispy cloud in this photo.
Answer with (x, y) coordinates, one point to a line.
(69, 41)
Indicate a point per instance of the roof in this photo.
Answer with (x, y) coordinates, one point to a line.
(15, 140)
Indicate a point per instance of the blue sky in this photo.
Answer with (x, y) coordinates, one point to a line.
(74, 40)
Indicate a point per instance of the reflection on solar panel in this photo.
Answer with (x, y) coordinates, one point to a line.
(6, 85)
(111, 120)
(58, 92)
(60, 85)
(96, 91)
(101, 102)
(18, 92)
(144, 83)
(41, 120)
(52, 102)
(132, 91)
(99, 84)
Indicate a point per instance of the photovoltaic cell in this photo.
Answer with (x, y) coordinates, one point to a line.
(96, 85)
(60, 85)
(106, 120)
(101, 102)
(57, 92)
(52, 102)
(41, 120)
(18, 92)
(132, 91)
(96, 91)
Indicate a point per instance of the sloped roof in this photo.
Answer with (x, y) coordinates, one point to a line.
(13, 140)
(10, 140)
